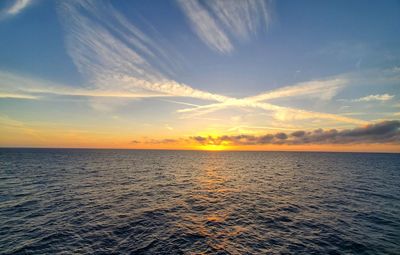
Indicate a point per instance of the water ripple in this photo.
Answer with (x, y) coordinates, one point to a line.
(171, 202)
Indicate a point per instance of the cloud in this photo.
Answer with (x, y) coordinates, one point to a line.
(13, 85)
(205, 26)
(383, 97)
(382, 132)
(15, 8)
(16, 96)
(117, 59)
(167, 126)
(13, 124)
(108, 61)
(95, 50)
(115, 66)
(118, 62)
(241, 18)
(322, 89)
(181, 103)
(216, 23)
(157, 141)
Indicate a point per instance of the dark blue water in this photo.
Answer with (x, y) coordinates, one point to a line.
(177, 202)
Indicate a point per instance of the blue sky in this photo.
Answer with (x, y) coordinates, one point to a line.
(164, 69)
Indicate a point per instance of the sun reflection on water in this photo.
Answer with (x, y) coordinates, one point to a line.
(211, 210)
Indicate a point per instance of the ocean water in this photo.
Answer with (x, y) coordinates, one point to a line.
(59, 201)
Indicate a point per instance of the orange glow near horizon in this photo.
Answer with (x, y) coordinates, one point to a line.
(381, 148)
(214, 147)
(45, 137)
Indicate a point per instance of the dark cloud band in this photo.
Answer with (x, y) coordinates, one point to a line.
(382, 132)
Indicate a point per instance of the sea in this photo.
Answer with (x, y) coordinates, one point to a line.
(84, 201)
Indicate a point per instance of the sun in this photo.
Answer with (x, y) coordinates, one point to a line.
(213, 147)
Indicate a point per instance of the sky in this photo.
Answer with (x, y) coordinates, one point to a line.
(188, 74)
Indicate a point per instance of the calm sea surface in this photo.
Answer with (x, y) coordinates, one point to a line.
(182, 202)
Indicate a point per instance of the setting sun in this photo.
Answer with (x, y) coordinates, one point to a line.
(214, 147)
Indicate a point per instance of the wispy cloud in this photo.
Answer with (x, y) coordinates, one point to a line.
(167, 126)
(242, 18)
(157, 141)
(15, 8)
(324, 89)
(382, 132)
(205, 26)
(383, 97)
(122, 66)
(110, 62)
(279, 112)
(179, 102)
(216, 23)
(14, 85)
(12, 124)
(17, 95)
(18, 86)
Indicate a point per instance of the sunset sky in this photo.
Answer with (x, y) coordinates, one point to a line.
(214, 75)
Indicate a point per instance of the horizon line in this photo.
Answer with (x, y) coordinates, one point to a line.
(198, 150)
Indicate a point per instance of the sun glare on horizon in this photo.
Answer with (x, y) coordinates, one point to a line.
(214, 147)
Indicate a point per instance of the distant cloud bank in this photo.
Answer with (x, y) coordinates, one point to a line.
(382, 132)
